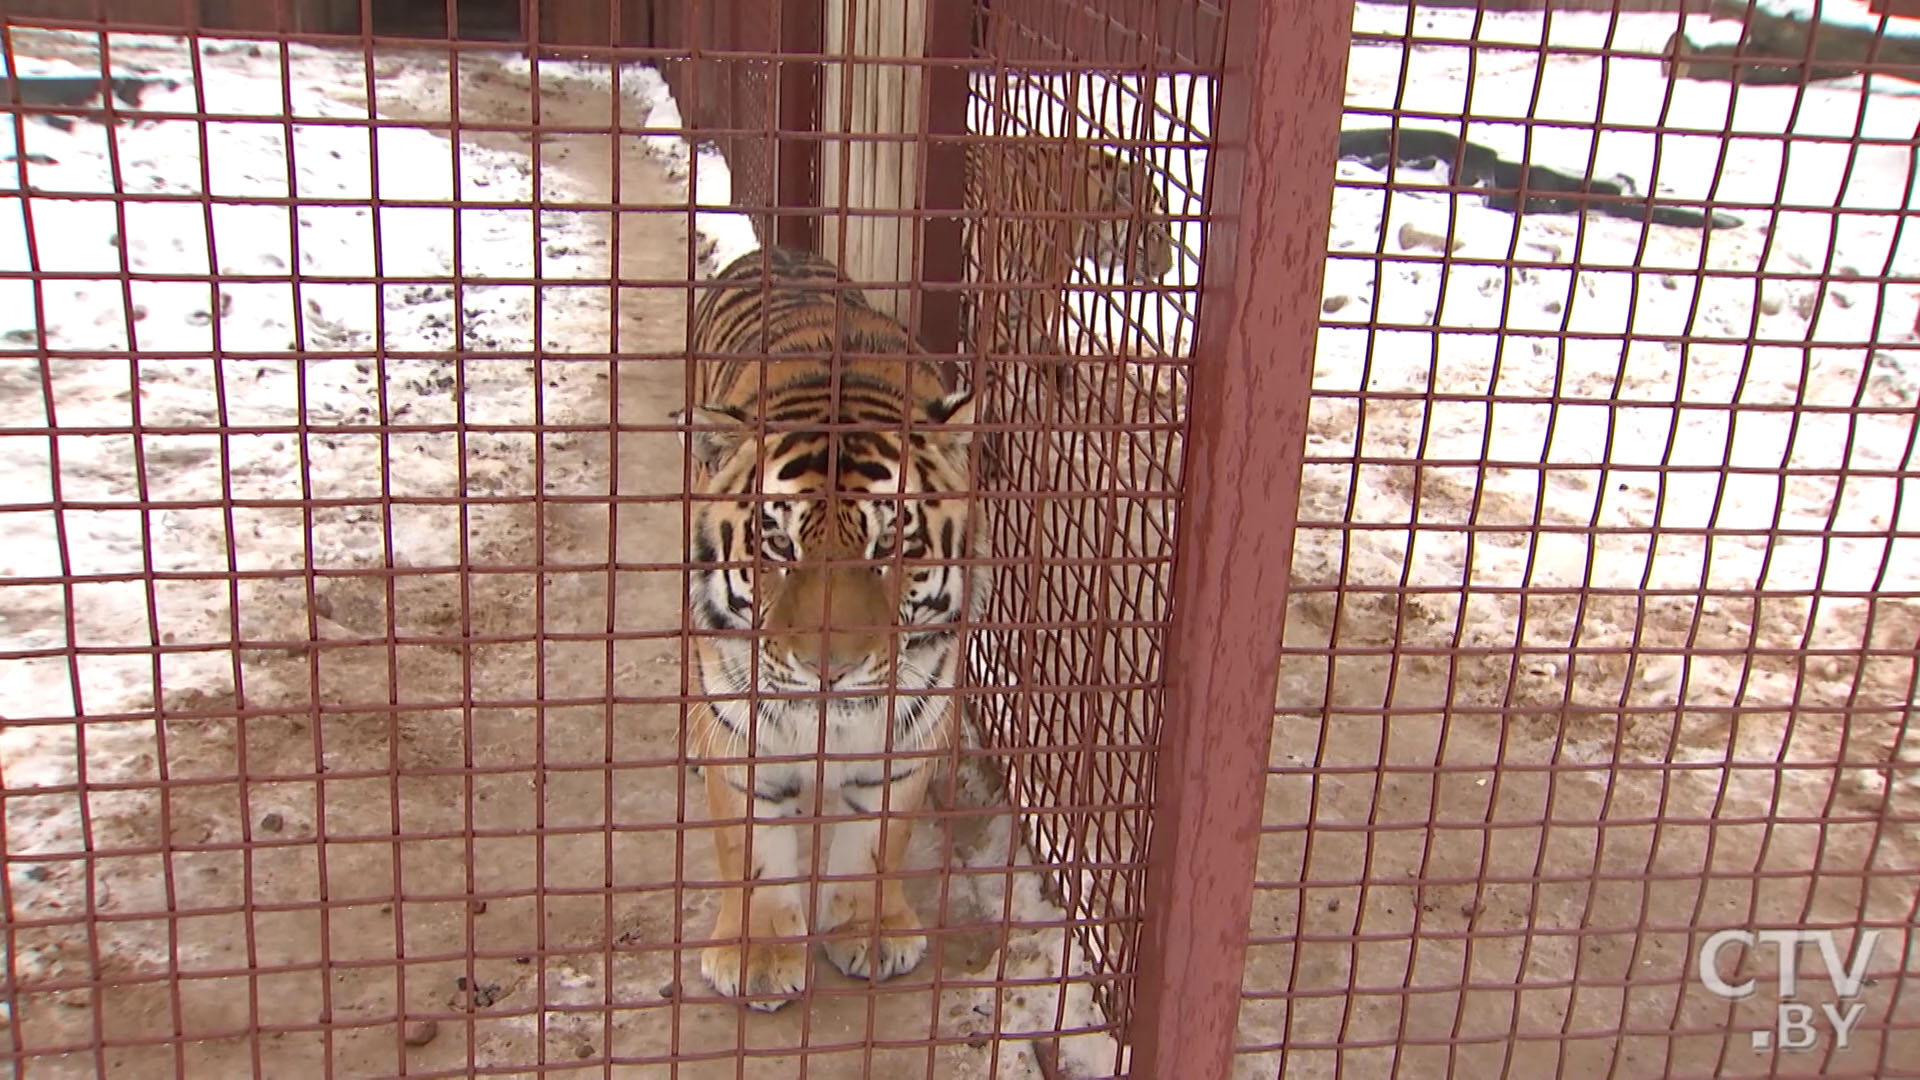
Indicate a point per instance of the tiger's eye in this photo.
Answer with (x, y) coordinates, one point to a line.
(772, 539)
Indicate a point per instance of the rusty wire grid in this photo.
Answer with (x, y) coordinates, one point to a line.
(347, 644)
(348, 538)
(1097, 450)
(1603, 625)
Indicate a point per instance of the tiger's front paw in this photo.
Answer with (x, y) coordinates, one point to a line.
(771, 975)
(897, 949)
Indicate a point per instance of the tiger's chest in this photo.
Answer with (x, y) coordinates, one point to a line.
(903, 717)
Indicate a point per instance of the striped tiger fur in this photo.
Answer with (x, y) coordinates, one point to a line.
(879, 636)
(1118, 219)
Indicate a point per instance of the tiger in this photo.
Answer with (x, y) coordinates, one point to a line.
(1109, 211)
(793, 591)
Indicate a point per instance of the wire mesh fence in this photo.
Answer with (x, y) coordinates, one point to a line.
(419, 626)
(365, 717)
(1112, 167)
(1602, 629)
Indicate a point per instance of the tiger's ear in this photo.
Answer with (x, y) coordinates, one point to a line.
(954, 408)
(719, 433)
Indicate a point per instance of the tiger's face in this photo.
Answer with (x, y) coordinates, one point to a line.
(1131, 218)
(839, 546)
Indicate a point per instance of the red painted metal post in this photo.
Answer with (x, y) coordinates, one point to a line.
(1270, 181)
(943, 257)
(797, 161)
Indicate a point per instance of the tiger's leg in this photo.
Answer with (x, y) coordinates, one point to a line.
(855, 910)
(742, 961)
(1041, 337)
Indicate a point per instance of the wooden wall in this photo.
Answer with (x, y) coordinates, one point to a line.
(864, 99)
(562, 22)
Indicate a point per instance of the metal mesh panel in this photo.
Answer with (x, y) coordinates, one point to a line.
(1603, 626)
(348, 651)
(1092, 467)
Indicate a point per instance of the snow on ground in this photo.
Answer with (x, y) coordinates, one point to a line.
(181, 398)
(1643, 426)
(299, 372)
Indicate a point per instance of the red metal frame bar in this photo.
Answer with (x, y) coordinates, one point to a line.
(1269, 202)
(949, 37)
(797, 162)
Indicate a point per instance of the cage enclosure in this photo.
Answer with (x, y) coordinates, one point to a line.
(961, 538)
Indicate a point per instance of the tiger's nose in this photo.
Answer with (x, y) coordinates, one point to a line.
(831, 668)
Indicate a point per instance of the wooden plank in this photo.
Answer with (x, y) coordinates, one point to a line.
(259, 16)
(577, 22)
(484, 20)
(864, 99)
(696, 84)
(797, 161)
(943, 239)
(170, 13)
(244, 16)
(310, 16)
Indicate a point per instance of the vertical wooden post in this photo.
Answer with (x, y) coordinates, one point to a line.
(797, 161)
(1270, 190)
(861, 99)
(575, 22)
(943, 240)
